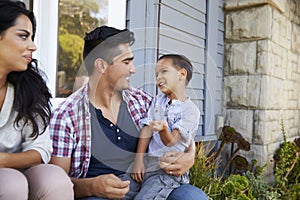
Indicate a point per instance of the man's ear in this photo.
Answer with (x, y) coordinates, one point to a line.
(100, 65)
(183, 73)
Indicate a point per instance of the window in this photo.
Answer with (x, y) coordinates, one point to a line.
(76, 18)
(61, 27)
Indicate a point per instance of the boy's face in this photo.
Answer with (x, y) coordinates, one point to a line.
(167, 76)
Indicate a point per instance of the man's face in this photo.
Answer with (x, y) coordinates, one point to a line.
(120, 71)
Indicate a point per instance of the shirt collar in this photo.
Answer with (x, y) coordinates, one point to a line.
(7, 105)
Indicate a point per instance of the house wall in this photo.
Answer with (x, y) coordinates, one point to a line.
(192, 28)
(262, 73)
(182, 30)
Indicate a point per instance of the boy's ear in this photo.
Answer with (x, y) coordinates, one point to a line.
(100, 65)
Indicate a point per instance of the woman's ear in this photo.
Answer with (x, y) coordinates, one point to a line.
(100, 65)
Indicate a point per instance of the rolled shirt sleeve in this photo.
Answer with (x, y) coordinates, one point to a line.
(42, 144)
(186, 120)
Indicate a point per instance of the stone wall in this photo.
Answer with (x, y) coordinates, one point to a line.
(262, 72)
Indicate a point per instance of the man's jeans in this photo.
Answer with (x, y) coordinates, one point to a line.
(184, 192)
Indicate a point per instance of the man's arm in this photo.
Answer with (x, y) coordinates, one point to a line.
(177, 162)
(108, 186)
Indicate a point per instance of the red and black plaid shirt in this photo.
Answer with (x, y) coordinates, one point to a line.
(70, 126)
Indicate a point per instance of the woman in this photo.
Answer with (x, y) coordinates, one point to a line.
(25, 144)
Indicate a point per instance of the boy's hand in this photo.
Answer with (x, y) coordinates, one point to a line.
(138, 171)
(159, 125)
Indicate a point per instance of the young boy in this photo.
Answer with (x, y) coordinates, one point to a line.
(171, 123)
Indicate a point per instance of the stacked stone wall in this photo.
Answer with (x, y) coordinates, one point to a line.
(262, 72)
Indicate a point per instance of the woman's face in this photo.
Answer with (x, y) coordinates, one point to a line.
(16, 46)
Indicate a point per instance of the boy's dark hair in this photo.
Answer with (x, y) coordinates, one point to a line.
(103, 43)
(181, 62)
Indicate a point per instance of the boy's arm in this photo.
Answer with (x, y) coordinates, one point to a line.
(167, 137)
(138, 170)
(145, 136)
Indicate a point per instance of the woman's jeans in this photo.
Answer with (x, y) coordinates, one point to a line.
(44, 181)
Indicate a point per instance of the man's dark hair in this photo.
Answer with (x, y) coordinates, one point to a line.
(103, 43)
(181, 62)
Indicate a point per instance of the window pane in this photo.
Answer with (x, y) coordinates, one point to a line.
(76, 17)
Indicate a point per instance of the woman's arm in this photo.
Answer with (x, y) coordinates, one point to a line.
(20, 160)
(177, 162)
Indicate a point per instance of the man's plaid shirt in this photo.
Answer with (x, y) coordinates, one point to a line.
(70, 126)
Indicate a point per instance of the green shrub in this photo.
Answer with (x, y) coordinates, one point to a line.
(245, 182)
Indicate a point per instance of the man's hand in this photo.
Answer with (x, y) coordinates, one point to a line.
(176, 163)
(110, 186)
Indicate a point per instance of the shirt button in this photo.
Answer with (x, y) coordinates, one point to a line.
(119, 138)
(111, 125)
(118, 130)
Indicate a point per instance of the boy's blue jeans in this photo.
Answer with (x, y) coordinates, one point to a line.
(184, 192)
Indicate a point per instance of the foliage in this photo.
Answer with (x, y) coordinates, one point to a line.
(235, 187)
(286, 167)
(71, 45)
(76, 18)
(203, 170)
(259, 188)
(294, 175)
(293, 193)
(246, 180)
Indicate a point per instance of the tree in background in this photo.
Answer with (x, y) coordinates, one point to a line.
(76, 17)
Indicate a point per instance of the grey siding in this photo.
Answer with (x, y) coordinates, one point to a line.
(142, 20)
(182, 30)
(189, 27)
(213, 69)
(220, 56)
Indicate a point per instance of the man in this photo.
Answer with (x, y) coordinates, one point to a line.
(95, 130)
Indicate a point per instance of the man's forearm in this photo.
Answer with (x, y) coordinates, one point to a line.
(82, 187)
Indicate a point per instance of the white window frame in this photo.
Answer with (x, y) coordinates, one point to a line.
(46, 40)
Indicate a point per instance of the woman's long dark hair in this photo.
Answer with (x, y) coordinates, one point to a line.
(32, 96)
